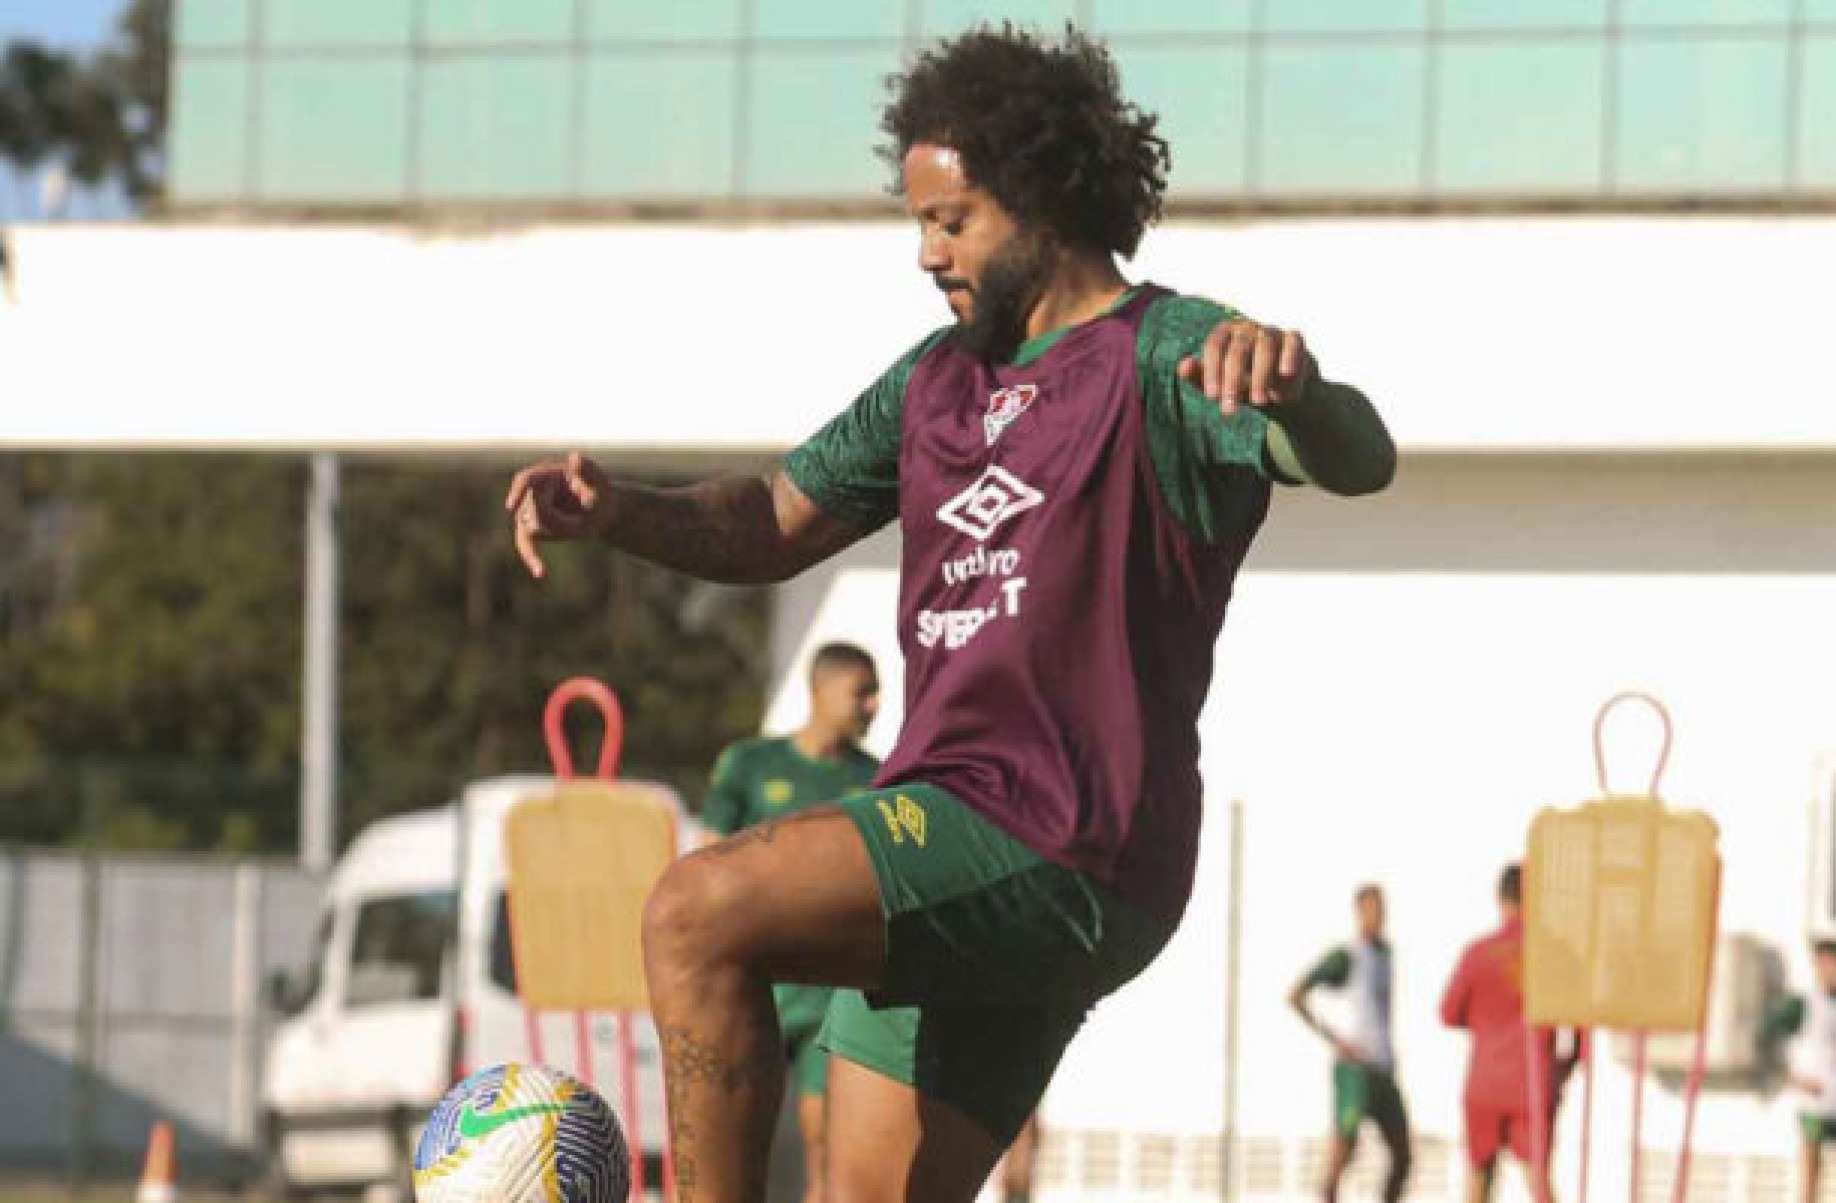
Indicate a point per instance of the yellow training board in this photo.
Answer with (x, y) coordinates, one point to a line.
(581, 864)
(1620, 900)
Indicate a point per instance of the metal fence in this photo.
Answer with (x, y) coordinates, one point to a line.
(130, 992)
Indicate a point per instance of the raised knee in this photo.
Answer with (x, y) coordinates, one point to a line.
(686, 914)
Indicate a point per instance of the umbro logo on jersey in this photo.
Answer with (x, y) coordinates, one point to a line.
(1004, 407)
(979, 510)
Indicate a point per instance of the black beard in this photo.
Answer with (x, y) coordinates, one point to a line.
(1012, 282)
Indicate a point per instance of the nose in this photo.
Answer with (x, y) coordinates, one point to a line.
(932, 257)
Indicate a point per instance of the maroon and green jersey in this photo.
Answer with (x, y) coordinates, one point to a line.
(1073, 522)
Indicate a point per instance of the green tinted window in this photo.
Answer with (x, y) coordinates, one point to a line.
(634, 20)
(814, 121)
(1519, 118)
(1817, 115)
(211, 23)
(1344, 16)
(1340, 119)
(334, 129)
(293, 24)
(1123, 17)
(209, 136)
(1202, 96)
(496, 127)
(827, 19)
(472, 22)
(943, 17)
(660, 124)
(1635, 14)
(1701, 115)
(1519, 14)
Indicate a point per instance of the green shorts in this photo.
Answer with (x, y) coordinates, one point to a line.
(1817, 1129)
(1360, 1092)
(993, 957)
(801, 1010)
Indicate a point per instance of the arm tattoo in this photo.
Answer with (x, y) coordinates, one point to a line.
(729, 529)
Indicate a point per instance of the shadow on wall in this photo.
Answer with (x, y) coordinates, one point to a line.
(54, 1126)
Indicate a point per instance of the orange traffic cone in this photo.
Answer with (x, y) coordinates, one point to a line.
(159, 1178)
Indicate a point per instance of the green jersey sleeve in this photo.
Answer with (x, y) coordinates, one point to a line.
(850, 468)
(1333, 971)
(724, 809)
(1783, 1020)
(1211, 466)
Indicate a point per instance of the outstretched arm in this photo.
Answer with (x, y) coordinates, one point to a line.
(732, 529)
(1333, 437)
(1325, 433)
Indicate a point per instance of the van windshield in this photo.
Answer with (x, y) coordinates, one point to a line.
(401, 949)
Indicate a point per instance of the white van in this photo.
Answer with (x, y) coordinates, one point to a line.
(410, 988)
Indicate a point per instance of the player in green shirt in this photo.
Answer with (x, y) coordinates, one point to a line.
(1364, 1058)
(1806, 1026)
(759, 779)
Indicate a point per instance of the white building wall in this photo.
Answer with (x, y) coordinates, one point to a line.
(1500, 334)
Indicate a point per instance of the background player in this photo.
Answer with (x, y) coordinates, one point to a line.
(1364, 1059)
(760, 779)
(1485, 996)
(1809, 1022)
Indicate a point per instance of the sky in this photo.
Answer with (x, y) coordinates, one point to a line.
(70, 25)
(65, 23)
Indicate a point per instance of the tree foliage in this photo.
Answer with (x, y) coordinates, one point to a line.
(150, 644)
(99, 116)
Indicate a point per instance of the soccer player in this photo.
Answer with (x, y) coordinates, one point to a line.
(1486, 997)
(757, 780)
(1809, 1021)
(1364, 1057)
(1078, 465)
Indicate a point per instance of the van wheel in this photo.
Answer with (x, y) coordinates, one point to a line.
(275, 1185)
(407, 1126)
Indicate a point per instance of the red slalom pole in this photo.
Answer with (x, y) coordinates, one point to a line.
(1638, 1107)
(1586, 1036)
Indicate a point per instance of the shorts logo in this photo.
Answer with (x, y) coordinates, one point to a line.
(777, 793)
(980, 510)
(904, 817)
(1005, 407)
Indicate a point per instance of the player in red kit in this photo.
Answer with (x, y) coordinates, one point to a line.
(1486, 997)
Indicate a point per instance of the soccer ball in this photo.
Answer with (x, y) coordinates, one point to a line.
(522, 1134)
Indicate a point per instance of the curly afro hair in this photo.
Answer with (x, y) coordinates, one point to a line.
(1042, 126)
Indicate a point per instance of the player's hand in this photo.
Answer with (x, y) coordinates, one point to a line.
(557, 499)
(1245, 363)
(1806, 1085)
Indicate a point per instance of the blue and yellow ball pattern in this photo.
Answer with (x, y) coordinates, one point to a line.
(522, 1134)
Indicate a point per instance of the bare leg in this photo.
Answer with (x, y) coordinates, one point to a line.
(721, 926)
(1017, 1166)
(812, 1116)
(890, 1144)
(1337, 1158)
(1812, 1163)
(1479, 1182)
(1395, 1131)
